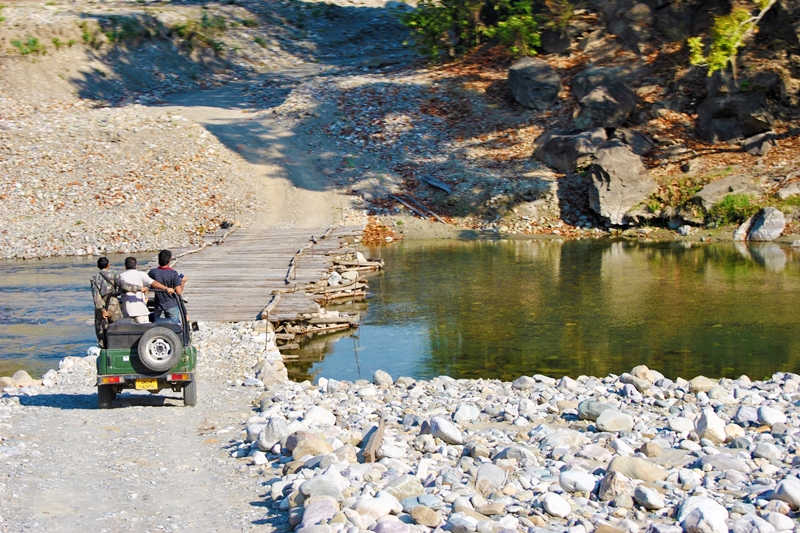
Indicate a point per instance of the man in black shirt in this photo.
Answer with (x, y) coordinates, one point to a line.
(167, 305)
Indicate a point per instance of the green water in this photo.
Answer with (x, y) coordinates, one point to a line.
(501, 309)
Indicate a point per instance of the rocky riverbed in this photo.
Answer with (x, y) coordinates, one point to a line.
(618, 453)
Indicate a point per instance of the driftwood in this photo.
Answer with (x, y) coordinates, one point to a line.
(406, 203)
(374, 440)
(419, 204)
(433, 182)
(325, 320)
(270, 306)
(290, 346)
(360, 266)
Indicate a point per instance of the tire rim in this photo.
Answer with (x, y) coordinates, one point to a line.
(159, 350)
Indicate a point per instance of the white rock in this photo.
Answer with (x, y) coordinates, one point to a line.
(681, 424)
(613, 420)
(751, 523)
(702, 515)
(770, 416)
(710, 426)
(466, 413)
(649, 498)
(788, 491)
(555, 505)
(577, 481)
(381, 377)
(319, 415)
(780, 522)
(445, 430)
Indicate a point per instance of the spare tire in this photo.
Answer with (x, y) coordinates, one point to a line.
(159, 349)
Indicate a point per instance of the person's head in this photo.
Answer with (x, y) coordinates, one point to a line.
(130, 263)
(164, 257)
(102, 263)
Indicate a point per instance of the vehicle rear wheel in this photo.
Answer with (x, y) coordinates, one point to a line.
(159, 349)
(190, 394)
(105, 395)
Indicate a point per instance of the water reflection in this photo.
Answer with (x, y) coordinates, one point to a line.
(503, 309)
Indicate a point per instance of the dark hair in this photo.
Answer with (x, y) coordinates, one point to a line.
(102, 263)
(130, 263)
(164, 257)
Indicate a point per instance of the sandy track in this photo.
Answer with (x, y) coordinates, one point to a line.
(147, 464)
(296, 193)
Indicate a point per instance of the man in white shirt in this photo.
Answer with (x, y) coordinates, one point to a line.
(134, 304)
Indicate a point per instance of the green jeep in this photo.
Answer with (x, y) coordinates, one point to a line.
(151, 357)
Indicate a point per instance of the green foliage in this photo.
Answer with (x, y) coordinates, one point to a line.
(260, 41)
(88, 35)
(202, 33)
(215, 24)
(519, 32)
(734, 208)
(250, 23)
(57, 43)
(561, 13)
(676, 193)
(29, 46)
(728, 35)
(120, 28)
(456, 26)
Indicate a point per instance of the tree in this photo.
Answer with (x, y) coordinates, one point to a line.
(728, 34)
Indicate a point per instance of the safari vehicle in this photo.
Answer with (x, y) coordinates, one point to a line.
(151, 357)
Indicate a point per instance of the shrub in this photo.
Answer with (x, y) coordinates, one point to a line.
(29, 46)
(260, 41)
(250, 23)
(456, 26)
(734, 209)
(519, 32)
(119, 28)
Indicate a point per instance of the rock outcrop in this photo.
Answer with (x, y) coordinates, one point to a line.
(619, 181)
(534, 83)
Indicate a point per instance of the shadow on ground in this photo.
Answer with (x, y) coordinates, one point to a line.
(89, 401)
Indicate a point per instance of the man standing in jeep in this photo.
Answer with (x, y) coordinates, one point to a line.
(106, 285)
(167, 305)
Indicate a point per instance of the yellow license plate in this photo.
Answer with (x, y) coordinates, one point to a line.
(146, 384)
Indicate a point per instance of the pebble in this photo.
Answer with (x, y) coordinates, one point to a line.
(492, 476)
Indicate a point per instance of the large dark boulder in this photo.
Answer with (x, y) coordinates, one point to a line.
(606, 106)
(619, 181)
(733, 117)
(586, 80)
(555, 41)
(566, 150)
(534, 83)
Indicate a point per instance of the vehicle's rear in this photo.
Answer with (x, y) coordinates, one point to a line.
(150, 356)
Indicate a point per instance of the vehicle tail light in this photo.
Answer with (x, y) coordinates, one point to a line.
(177, 377)
(112, 379)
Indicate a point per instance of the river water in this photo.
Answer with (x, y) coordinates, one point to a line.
(496, 309)
(501, 309)
(46, 312)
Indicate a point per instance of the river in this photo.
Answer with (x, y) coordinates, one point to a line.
(496, 309)
(501, 309)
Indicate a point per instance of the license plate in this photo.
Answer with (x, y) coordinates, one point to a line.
(146, 384)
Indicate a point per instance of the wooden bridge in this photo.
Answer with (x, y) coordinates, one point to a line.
(251, 272)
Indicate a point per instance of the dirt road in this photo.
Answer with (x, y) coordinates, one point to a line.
(297, 194)
(149, 464)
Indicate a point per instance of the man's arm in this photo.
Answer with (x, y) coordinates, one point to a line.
(179, 288)
(125, 286)
(157, 285)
